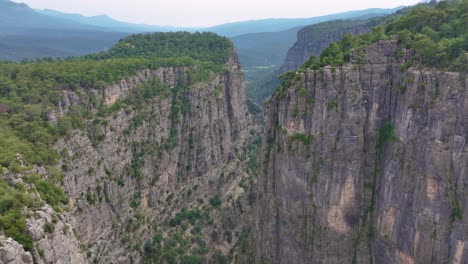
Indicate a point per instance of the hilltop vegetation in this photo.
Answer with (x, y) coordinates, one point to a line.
(199, 46)
(435, 32)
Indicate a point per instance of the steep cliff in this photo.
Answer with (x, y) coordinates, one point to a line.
(135, 169)
(51, 230)
(311, 40)
(156, 167)
(365, 163)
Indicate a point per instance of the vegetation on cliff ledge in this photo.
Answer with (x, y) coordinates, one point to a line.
(436, 33)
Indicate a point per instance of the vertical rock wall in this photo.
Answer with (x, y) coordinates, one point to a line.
(366, 162)
(149, 157)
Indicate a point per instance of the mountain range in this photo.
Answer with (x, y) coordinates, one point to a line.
(27, 33)
(281, 24)
(104, 21)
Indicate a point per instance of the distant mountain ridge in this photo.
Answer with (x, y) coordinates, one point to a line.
(281, 24)
(28, 33)
(16, 18)
(108, 22)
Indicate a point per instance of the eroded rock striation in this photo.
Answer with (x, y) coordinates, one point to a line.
(365, 163)
(133, 170)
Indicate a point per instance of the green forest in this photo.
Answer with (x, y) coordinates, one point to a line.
(436, 33)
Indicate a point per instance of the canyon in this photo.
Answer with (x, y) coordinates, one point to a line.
(151, 152)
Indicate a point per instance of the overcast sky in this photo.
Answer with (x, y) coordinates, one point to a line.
(208, 12)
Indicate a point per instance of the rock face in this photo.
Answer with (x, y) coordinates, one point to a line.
(313, 39)
(51, 231)
(54, 240)
(13, 253)
(366, 163)
(132, 170)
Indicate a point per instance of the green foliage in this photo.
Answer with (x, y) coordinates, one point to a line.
(332, 104)
(49, 228)
(386, 133)
(174, 248)
(215, 201)
(190, 215)
(12, 221)
(306, 139)
(91, 198)
(253, 152)
(437, 33)
(52, 194)
(192, 259)
(204, 46)
(294, 112)
(456, 214)
(287, 78)
(135, 201)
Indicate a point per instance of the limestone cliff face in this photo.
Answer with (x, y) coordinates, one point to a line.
(366, 163)
(131, 171)
(313, 39)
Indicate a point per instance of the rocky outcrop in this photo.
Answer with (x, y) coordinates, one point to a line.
(117, 91)
(311, 40)
(11, 252)
(51, 231)
(54, 240)
(366, 163)
(134, 168)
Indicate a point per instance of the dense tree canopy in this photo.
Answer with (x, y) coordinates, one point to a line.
(437, 33)
(199, 46)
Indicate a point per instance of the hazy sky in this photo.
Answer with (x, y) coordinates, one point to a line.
(208, 12)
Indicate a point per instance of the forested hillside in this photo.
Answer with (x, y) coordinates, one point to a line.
(438, 35)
